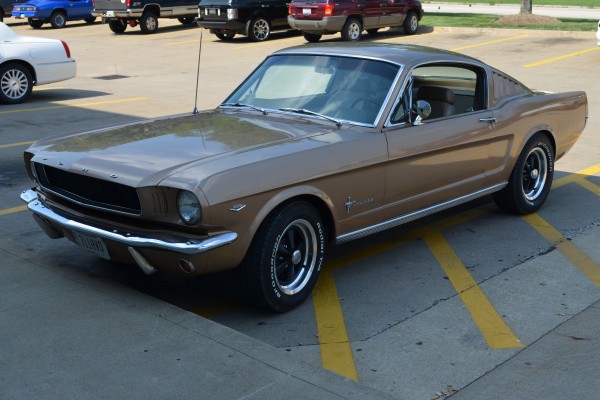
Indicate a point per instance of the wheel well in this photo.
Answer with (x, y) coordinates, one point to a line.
(59, 10)
(550, 138)
(24, 64)
(321, 208)
(358, 17)
(154, 8)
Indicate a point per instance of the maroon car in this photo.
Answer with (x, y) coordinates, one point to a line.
(351, 17)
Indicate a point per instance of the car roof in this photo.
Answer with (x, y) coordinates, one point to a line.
(403, 54)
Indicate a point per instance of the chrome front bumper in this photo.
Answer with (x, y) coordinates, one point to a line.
(36, 206)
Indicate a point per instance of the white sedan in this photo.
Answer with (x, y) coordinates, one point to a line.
(27, 61)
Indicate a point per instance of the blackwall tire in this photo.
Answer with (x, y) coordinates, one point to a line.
(149, 22)
(285, 258)
(531, 178)
(411, 23)
(352, 30)
(117, 26)
(58, 19)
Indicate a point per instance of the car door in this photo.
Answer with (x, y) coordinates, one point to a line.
(80, 8)
(445, 157)
(393, 12)
(370, 11)
(277, 12)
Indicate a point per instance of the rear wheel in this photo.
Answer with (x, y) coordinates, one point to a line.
(117, 26)
(531, 178)
(225, 35)
(35, 23)
(259, 29)
(90, 20)
(15, 83)
(411, 23)
(149, 22)
(58, 19)
(285, 258)
(352, 30)
(311, 37)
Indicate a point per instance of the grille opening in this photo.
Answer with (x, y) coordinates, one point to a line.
(89, 191)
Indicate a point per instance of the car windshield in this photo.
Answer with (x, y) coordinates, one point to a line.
(343, 88)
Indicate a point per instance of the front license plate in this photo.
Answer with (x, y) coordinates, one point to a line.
(306, 11)
(110, 13)
(93, 244)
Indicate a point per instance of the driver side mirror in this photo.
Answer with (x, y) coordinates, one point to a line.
(423, 109)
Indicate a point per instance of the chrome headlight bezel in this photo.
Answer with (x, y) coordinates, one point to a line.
(188, 207)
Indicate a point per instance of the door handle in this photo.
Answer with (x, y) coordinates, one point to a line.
(488, 119)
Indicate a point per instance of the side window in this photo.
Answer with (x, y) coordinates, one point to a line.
(450, 89)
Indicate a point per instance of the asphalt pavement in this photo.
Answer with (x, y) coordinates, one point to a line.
(67, 334)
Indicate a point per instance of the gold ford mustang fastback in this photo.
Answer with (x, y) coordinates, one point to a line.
(320, 144)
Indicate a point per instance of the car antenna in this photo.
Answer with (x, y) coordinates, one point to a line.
(198, 76)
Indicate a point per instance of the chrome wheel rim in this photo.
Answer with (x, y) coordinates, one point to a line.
(14, 84)
(296, 255)
(261, 29)
(535, 172)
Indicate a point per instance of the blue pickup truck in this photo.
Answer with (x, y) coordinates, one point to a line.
(55, 12)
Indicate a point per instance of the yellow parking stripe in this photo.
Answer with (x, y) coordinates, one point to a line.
(336, 353)
(496, 333)
(13, 210)
(490, 42)
(577, 53)
(574, 254)
(576, 177)
(592, 187)
(72, 105)
(5, 146)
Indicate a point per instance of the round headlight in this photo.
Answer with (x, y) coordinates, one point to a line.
(189, 208)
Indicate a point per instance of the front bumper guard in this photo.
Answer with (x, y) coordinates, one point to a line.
(36, 206)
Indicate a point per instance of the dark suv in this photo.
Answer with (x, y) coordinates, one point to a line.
(350, 17)
(252, 18)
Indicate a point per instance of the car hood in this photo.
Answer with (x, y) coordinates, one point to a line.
(143, 154)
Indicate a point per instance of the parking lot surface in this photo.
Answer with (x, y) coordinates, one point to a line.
(470, 303)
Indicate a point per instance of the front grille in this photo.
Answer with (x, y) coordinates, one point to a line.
(89, 191)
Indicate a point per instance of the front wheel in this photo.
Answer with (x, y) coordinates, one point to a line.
(15, 83)
(259, 29)
(352, 30)
(117, 26)
(311, 37)
(58, 19)
(149, 22)
(224, 35)
(35, 23)
(186, 20)
(285, 258)
(411, 23)
(531, 178)
(90, 20)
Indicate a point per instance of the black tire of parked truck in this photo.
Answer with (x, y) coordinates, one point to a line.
(117, 26)
(149, 22)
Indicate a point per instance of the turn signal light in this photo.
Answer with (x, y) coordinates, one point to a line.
(329, 9)
(66, 48)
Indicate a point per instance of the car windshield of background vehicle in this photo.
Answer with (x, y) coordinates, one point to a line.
(344, 88)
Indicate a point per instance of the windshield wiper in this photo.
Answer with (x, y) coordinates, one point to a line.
(309, 112)
(245, 105)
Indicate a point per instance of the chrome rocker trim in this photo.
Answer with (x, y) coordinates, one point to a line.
(417, 214)
(36, 206)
